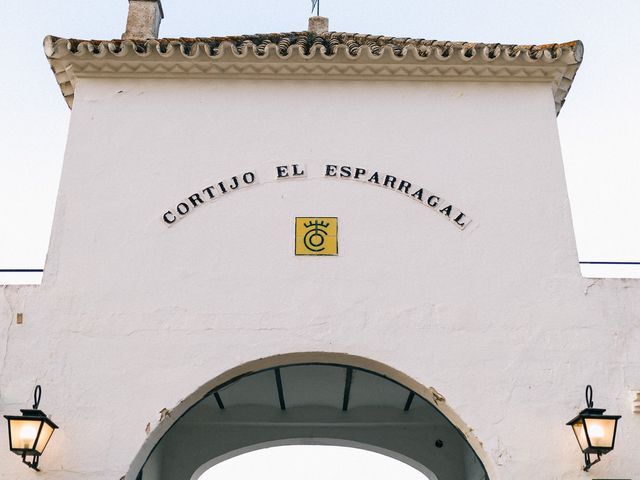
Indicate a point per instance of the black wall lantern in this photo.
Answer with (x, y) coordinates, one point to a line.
(595, 432)
(30, 433)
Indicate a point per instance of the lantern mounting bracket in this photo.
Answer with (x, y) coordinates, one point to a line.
(35, 460)
(588, 396)
(37, 395)
(588, 463)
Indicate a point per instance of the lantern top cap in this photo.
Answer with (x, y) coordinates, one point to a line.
(28, 414)
(32, 412)
(593, 413)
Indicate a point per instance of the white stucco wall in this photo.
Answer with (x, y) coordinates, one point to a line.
(133, 316)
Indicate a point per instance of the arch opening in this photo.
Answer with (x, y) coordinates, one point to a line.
(344, 404)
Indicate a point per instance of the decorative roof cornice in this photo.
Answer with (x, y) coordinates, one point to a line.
(311, 56)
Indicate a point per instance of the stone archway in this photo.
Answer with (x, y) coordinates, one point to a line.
(305, 398)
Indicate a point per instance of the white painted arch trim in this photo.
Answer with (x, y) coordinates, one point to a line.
(329, 358)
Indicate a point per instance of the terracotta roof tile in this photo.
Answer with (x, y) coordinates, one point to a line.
(309, 47)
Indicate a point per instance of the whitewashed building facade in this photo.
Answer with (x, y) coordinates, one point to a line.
(176, 327)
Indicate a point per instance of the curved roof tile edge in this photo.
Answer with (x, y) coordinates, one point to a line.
(309, 46)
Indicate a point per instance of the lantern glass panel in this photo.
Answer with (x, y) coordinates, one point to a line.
(45, 435)
(578, 429)
(24, 433)
(601, 431)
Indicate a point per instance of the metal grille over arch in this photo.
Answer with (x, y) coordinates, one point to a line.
(313, 403)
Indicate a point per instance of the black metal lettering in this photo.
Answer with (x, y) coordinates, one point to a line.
(182, 208)
(195, 198)
(166, 218)
(390, 181)
(374, 178)
(345, 172)
(458, 219)
(248, 178)
(209, 191)
(282, 171)
(446, 211)
(404, 187)
(433, 201)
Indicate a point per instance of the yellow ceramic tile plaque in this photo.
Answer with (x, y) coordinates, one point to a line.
(316, 236)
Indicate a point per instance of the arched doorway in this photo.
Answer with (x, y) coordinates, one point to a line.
(307, 399)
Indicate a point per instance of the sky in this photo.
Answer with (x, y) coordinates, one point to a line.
(598, 124)
(312, 462)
